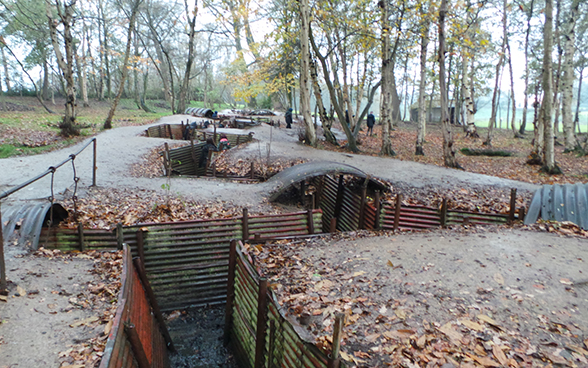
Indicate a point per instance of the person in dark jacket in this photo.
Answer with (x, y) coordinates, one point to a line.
(371, 121)
(204, 153)
(288, 117)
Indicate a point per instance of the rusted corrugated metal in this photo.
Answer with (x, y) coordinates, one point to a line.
(24, 224)
(411, 217)
(134, 308)
(558, 202)
(69, 239)
(169, 131)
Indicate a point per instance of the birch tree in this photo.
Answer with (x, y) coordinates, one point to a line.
(422, 116)
(567, 83)
(310, 132)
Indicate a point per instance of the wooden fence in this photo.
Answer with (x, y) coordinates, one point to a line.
(257, 328)
(186, 262)
(347, 211)
(138, 337)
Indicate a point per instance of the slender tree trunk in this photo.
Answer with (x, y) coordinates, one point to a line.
(45, 90)
(105, 51)
(547, 104)
(422, 115)
(558, 73)
(310, 132)
(468, 101)
(326, 122)
(492, 121)
(81, 71)
(448, 148)
(570, 142)
(515, 132)
(577, 114)
(66, 63)
(6, 74)
(182, 103)
(125, 70)
(526, 98)
(387, 73)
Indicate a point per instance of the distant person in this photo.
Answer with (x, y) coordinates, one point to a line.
(215, 115)
(205, 151)
(288, 117)
(223, 143)
(371, 121)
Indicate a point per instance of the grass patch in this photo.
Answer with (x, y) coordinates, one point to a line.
(7, 150)
(485, 152)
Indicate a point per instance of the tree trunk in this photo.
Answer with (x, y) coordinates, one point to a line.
(310, 132)
(125, 70)
(547, 103)
(448, 148)
(387, 73)
(68, 125)
(570, 142)
(6, 75)
(492, 121)
(468, 101)
(45, 90)
(105, 51)
(81, 71)
(515, 132)
(422, 115)
(527, 35)
(182, 103)
(577, 114)
(326, 121)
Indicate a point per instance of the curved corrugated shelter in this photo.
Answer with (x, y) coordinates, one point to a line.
(25, 223)
(558, 202)
(295, 174)
(199, 111)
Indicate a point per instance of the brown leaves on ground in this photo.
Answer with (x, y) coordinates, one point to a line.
(100, 298)
(23, 137)
(151, 165)
(383, 329)
(104, 208)
(575, 169)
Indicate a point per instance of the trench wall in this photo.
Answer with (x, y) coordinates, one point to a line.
(256, 326)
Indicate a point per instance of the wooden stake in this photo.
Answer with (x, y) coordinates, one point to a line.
(245, 224)
(310, 221)
(230, 292)
(444, 213)
(261, 323)
(120, 237)
(397, 208)
(136, 345)
(378, 210)
(513, 205)
(81, 236)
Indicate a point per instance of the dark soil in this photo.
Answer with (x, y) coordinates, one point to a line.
(198, 338)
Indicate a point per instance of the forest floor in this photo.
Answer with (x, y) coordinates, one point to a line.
(131, 197)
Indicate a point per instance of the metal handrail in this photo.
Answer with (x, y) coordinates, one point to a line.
(52, 169)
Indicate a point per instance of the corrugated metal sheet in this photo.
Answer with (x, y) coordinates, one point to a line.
(568, 202)
(133, 307)
(23, 224)
(199, 111)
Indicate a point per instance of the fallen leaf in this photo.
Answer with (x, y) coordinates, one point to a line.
(422, 341)
(346, 356)
(84, 322)
(566, 281)
(499, 279)
(400, 313)
(450, 332)
(20, 291)
(485, 361)
(3, 298)
(108, 327)
(472, 325)
(499, 355)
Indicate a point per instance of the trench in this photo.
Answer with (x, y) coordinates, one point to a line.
(198, 337)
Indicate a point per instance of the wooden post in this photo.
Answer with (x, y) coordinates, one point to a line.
(214, 169)
(333, 226)
(245, 224)
(238, 136)
(230, 292)
(3, 283)
(171, 136)
(120, 237)
(193, 154)
(339, 201)
(444, 213)
(310, 220)
(522, 214)
(140, 246)
(513, 205)
(154, 305)
(272, 343)
(313, 201)
(337, 330)
(167, 160)
(252, 170)
(94, 164)
(362, 204)
(397, 208)
(261, 323)
(378, 210)
(81, 236)
(136, 345)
